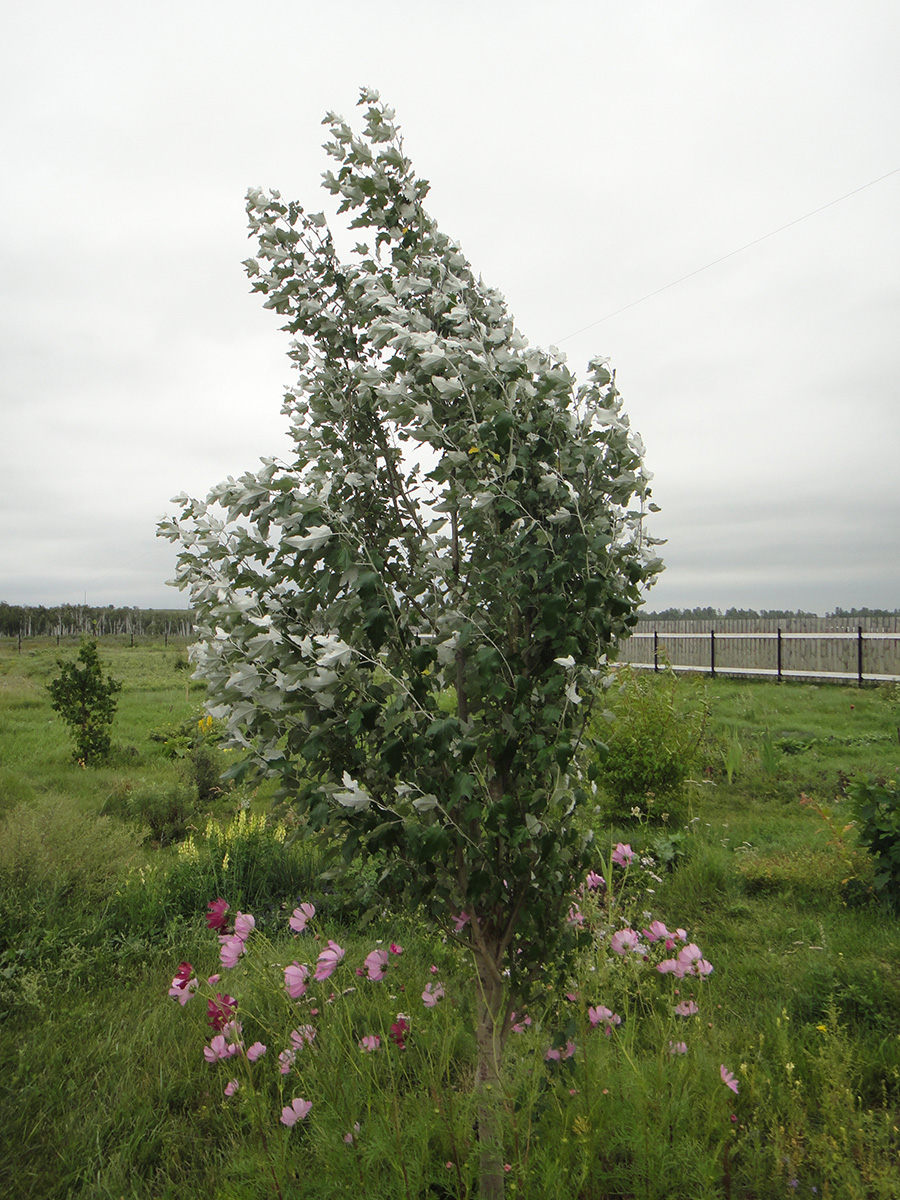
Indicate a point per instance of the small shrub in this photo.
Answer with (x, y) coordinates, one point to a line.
(650, 746)
(876, 808)
(166, 810)
(87, 703)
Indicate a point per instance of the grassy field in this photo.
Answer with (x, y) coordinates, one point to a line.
(104, 1090)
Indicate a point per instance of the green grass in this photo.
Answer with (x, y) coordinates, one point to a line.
(104, 1091)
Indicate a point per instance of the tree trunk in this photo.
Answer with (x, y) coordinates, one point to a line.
(490, 1014)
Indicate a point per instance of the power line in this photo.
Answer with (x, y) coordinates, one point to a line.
(715, 262)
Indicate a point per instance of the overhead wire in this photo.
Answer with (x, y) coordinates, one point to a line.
(731, 253)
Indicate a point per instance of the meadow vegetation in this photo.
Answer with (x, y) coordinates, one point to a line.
(745, 825)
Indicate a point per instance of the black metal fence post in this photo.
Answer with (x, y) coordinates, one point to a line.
(859, 654)
(712, 653)
(655, 651)
(779, 656)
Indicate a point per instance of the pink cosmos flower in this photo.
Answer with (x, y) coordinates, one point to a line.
(398, 1031)
(231, 951)
(625, 940)
(575, 917)
(656, 932)
(433, 992)
(306, 1033)
(286, 1058)
(297, 1110)
(375, 964)
(600, 1013)
(677, 1048)
(257, 1050)
(595, 881)
(728, 1079)
(349, 1138)
(433, 969)
(183, 986)
(460, 922)
(686, 1008)
(370, 1043)
(218, 1049)
(301, 916)
(243, 924)
(295, 977)
(692, 962)
(395, 949)
(216, 917)
(220, 1010)
(328, 960)
(519, 1026)
(231, 1087)
(622, 855)
(554, 1055)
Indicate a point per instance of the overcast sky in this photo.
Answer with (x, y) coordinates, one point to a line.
(584, 154)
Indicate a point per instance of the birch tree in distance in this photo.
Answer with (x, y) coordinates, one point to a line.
(406, 623)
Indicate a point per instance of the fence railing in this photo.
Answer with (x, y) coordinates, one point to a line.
(859, 655)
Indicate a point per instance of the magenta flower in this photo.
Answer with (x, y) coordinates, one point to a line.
(257, 1050)
(295, 977)
(220, 1010)
(398, 1031)
(728, 1079)
(297, 1110)
(622, 855)
(686, 1008)
(370, 1043)
(677, 1048)
(375, 963)
(328, 960)
(183, 986)
(216, 917)
(595, 881)
(301, 916)
(395, 949)
(433, 992)
(625, 940)
(243, 924)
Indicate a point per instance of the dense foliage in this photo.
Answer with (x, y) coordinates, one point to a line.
(86, 701)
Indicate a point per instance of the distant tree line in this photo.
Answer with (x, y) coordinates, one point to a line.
(75, 620)
(750, 614)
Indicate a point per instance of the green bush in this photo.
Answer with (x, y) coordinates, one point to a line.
(86, 701)
(165, 809)
(650, 745)
(875, 805)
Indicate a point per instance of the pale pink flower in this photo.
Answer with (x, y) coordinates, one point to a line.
(622, 855)
(519, 1026)
(575, 917)
(231, 1087)
(231, 951)
(306, 1033)
(295, 977)
(595, 881)
(460, 922)
(669, 967)
(243, 924)
(677, 1048)
(218, 1049)
(433, 992)
(328, 960)
(686, 1008)
(370, 1043)
(301, 916)
(656, 932)
(433, 969)
(625, 940)
(183, 986)
(286, 1058)
(692, 962)
(375, 963)
(349, 1138)
(728, 1079)
(296, 1111)
(257, 1050)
